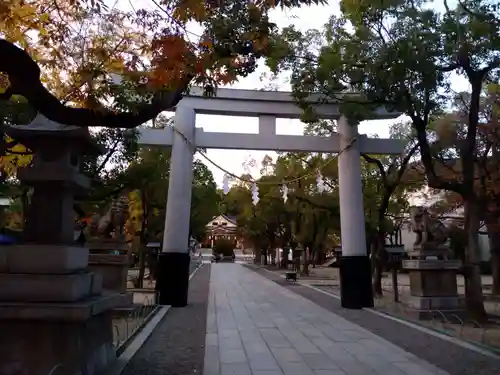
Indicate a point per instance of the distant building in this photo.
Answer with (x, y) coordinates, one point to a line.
(221, 227)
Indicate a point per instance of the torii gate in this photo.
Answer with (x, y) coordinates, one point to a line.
(173, 265)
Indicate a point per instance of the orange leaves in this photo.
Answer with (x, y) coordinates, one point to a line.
(224, 77)
(173, 57)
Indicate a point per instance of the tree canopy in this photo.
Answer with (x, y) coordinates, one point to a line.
(65, 56)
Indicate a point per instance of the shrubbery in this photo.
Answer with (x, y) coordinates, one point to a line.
(223, 247)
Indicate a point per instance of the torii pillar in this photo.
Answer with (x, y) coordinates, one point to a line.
(355, 268)
(172, 281)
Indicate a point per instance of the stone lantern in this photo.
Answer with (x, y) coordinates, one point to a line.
(55, 175)
(47, 294)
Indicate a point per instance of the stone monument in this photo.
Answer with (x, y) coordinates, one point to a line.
(433, 277)
(54, 313)
(108, 248)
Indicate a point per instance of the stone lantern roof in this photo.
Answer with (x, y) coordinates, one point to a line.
(41, 128)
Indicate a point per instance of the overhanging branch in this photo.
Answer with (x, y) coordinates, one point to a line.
(24, 78)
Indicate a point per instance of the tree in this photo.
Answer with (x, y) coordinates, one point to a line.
(386, 184)
(451, 132)
(204, 201)
(392, 187)
(306, 217)
(150, 49)
(371, 48)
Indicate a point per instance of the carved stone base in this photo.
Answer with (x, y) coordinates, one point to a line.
(431, 264)
(63, 311)
(113, 268)
(34, 347)
(437, 303)
(48, 288)
(433, 287)
(53, 313)
(43, 259)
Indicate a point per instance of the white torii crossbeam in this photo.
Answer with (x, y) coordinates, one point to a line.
(173, 265)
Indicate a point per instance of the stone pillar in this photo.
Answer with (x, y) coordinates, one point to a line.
(355, 269)
(173, 263)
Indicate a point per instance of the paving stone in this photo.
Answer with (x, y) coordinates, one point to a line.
(329, 372)
(296, 368)
(232, 356)
(235, 369)
(319, 362)
(211, 339)
(267, 372)
(286, 355)
(256, 348)
(263, 361)
(264, 329)
(274, 338)
(230, 343)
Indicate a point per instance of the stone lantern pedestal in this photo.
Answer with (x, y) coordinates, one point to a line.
(433, 283)
(54, 312)
(114, 270)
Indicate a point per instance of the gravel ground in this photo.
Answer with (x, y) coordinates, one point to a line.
(176, 346)
(452, 358)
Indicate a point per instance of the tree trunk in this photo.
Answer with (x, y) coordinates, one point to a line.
(472, 273)
(377, 248)
(258, 255)
(142, 266)
(376, 270)
(494, 242)
(305, 266)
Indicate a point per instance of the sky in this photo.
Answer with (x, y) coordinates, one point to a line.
(237, 161)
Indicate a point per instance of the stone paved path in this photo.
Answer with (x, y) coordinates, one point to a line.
(256, 327)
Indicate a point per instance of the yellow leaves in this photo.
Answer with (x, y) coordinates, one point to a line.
(115, 65)
(24, 10)
(4, 82)
(16, 157)
(190, 10)
(44, 17)
(18, 18)
(135, 212)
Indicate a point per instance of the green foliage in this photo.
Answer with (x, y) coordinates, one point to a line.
(204, 199)
(403, 55)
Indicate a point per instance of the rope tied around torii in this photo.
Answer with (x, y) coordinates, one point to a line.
(313, 173)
